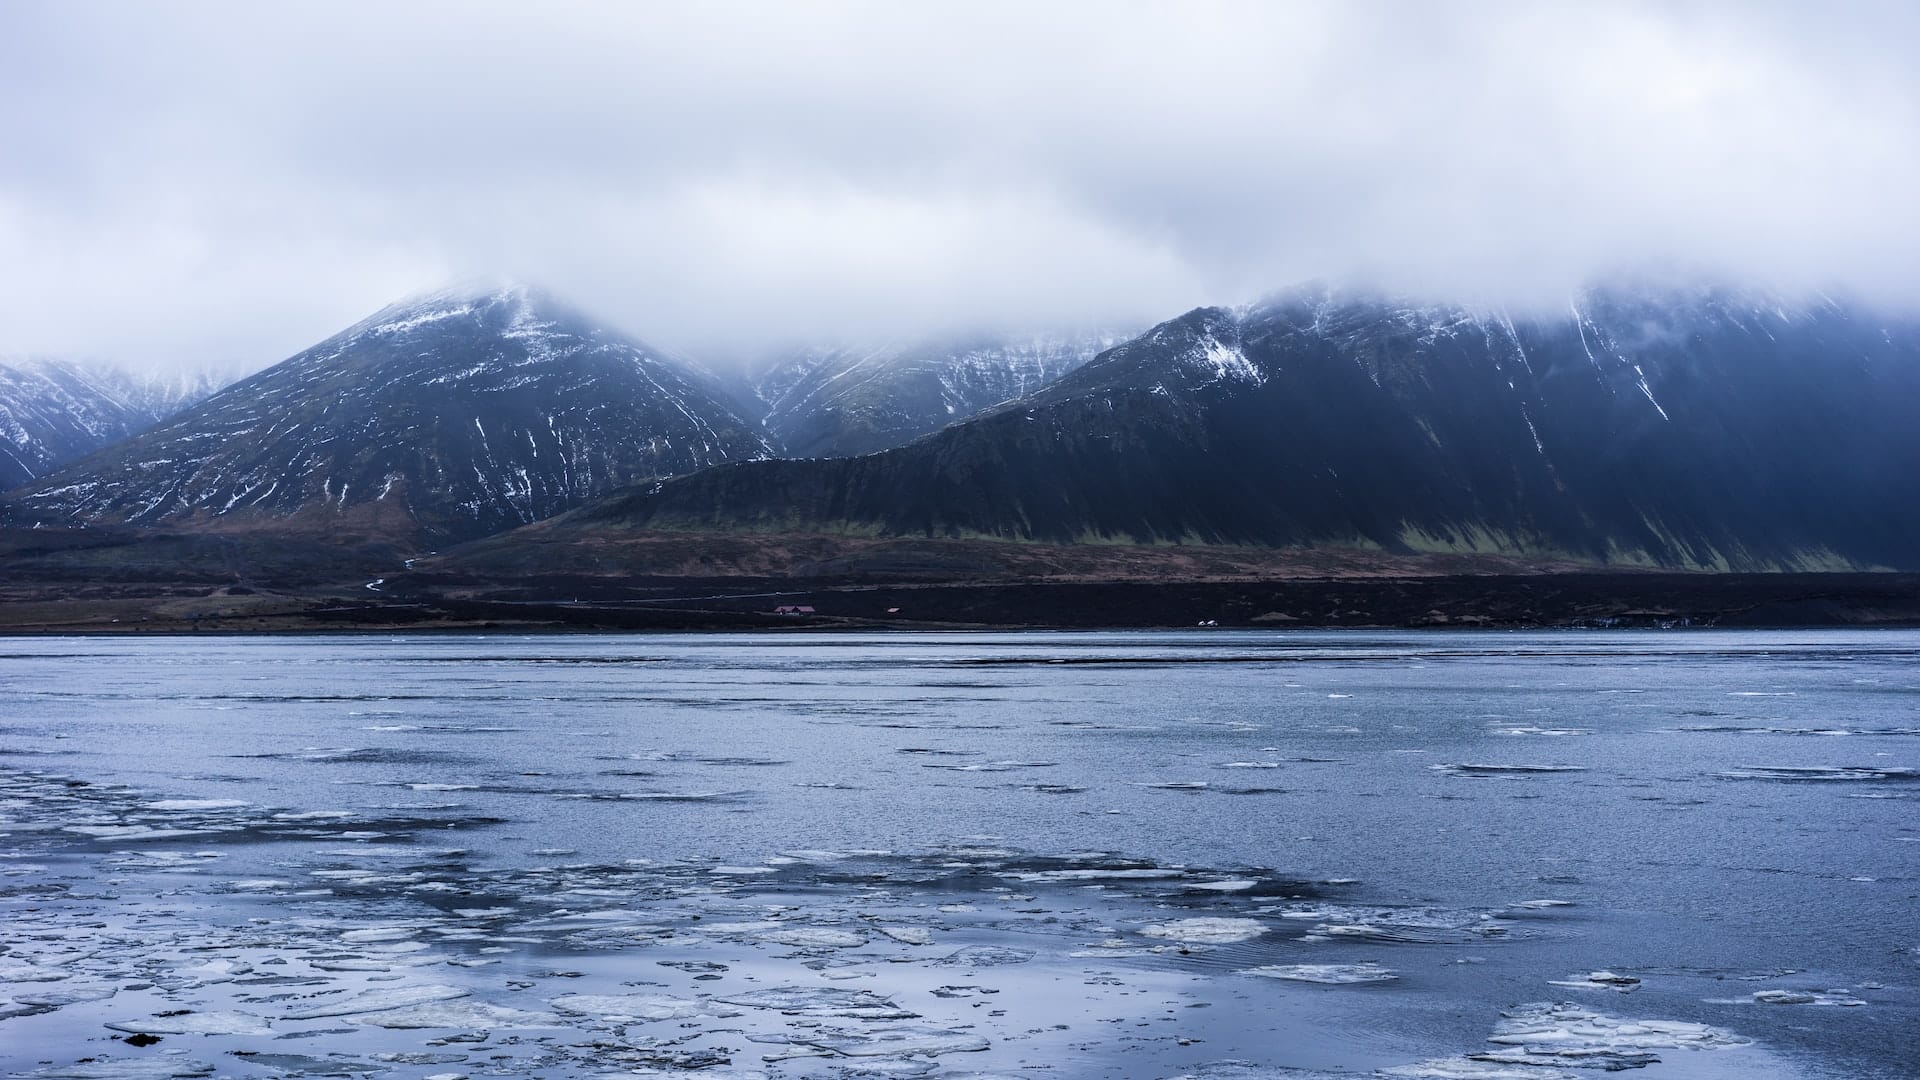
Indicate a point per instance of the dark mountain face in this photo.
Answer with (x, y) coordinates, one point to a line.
(1696, 428)
(847, 401)
(452, 416)
(53, 412)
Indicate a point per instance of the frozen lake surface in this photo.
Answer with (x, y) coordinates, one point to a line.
(1227, 855)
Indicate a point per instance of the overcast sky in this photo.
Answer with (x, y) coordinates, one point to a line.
(227, 183)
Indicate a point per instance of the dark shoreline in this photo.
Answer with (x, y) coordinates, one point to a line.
(428, 602)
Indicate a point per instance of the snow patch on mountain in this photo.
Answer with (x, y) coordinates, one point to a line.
(1226, 363)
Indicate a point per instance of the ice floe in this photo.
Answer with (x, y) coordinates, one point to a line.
(1464, 1068)
(370, 1001)
(1329, 974)
(642, 1008)
(1417, 926)
(107, 1068)
(890, 1042)
(1842, 998)
(1600, 980)
(1822, 773)
(195, 1023)
(814, 937)
(1210, 930)
(1468, 769)
(821, 1001)
(196, 804)
(1564, 1034)
(977, 956)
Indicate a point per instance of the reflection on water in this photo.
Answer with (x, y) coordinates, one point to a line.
(1211, 854)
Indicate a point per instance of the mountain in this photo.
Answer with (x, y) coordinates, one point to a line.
(166, 392)
(1696, 427)
(448, 416)
(55, 411)
(846, 401)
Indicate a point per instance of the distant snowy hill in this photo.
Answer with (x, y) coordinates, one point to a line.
(444, 417)
(844, 401)
(55, 411)
(1695, 427)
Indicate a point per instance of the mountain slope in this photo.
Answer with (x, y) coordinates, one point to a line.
(53, 411)
(842, 402)
(1693, 428)
(445, 417)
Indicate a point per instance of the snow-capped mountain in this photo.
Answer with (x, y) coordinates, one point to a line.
(1699, 427)
(844, 401)
(447, 416)
(55, 411)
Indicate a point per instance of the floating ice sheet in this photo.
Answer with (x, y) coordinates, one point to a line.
(814, 937)
(466, 1015)
(196, 1023)
(1600, 980)
(1211, 930)
(1823, 773)
(894, 1041)
(1472, 1069)
(1553, 1034)
(106, 1068)
(821, 1001)
(370, 1001)
(1329, 974)
(1482, 769)
(1842, 998)
(643, 1008)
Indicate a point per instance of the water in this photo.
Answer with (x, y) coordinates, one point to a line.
(1216, 854)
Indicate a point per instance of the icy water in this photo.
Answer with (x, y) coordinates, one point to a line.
(1211, 854)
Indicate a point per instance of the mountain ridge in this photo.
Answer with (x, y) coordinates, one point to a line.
(848, 400)
(480, 406)
(1706, 429)
(54, 410)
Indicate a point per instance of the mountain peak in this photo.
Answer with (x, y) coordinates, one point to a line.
(472, 297)
(450, 414)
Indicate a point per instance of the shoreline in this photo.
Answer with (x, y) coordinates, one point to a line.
(425, 602)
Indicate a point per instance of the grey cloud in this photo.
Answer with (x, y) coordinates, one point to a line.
(226, 182)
